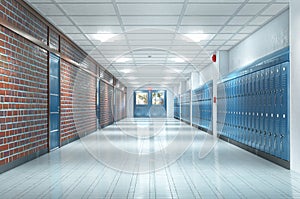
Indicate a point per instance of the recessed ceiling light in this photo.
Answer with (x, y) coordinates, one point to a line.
(122, 60)
(178, 60)
(126, 71)
(197, 37)
(103, 37)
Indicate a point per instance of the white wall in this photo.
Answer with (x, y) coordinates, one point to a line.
(171, 92)
(270, 38)
(295, 85)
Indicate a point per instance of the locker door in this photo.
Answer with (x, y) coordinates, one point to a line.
(284, 136)
(272, 118)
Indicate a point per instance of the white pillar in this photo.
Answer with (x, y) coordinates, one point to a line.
(295, 85)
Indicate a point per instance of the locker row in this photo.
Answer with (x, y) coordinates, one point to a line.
(253, 107)
(176, 108)
(200, 100)
(185, 102)
(202, 106)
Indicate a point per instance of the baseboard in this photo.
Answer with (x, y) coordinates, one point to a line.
(276, 160)
(22, 160)
(206, 130)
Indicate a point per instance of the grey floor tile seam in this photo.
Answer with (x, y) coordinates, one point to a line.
(189, 181)
(294, 187)
(94, 184)
(271, 186)
(109, 195)
(172, 186)
(27, 177)
(262, 195)
(22, 194)
(64, 176)
(111, 183)
(133, 182)
(77, 182)
(171, 183)
(208, 182)
(225, 179)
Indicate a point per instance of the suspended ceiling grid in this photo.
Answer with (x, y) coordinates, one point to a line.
(157, 41)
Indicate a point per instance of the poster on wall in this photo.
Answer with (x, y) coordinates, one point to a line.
(141, 98)
(158, 98)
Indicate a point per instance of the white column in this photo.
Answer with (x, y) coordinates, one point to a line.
(295, 85)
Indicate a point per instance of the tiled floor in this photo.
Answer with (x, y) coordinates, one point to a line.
(134, 147)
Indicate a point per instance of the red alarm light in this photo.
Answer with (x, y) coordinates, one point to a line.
(214, 58)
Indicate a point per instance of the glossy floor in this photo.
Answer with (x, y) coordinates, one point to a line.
(144, 158)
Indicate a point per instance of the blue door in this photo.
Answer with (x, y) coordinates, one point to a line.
(98, 104)
(54, 138)
(150, 103)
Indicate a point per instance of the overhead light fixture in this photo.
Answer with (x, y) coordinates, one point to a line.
(103, 37)
(177, 60)
(122, 60)
(197, 37)
(126, 71)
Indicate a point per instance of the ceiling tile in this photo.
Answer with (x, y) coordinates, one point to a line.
(150, 20)
(81, 1)
(88, 48)
(48, 9)
(83, 42)
(69, 29)
(251, 9)
(151, 43)
(249, 29)
(217, 43)
(260, 1)
(39, 1)
(204, 20)
(150, 9)
(260, 20)
(223, 36)
(225, 47)
(231, 29)
(150, 37)
(211, 9)
(199, 29)
(232, 42)
(59, 20)
(95, 20)
(239, 20)
(146, 29)
(76, 36)
(216, 1)
(239, 36)
(101, 29)
(150, 1)
(275, 9)
(88, 9)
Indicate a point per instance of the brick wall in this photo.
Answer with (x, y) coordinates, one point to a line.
(23, 97)
(74, 53)
(16, 14)
(24, 86)
(78, 103)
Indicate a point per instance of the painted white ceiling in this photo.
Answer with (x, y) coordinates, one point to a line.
(152, 33)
